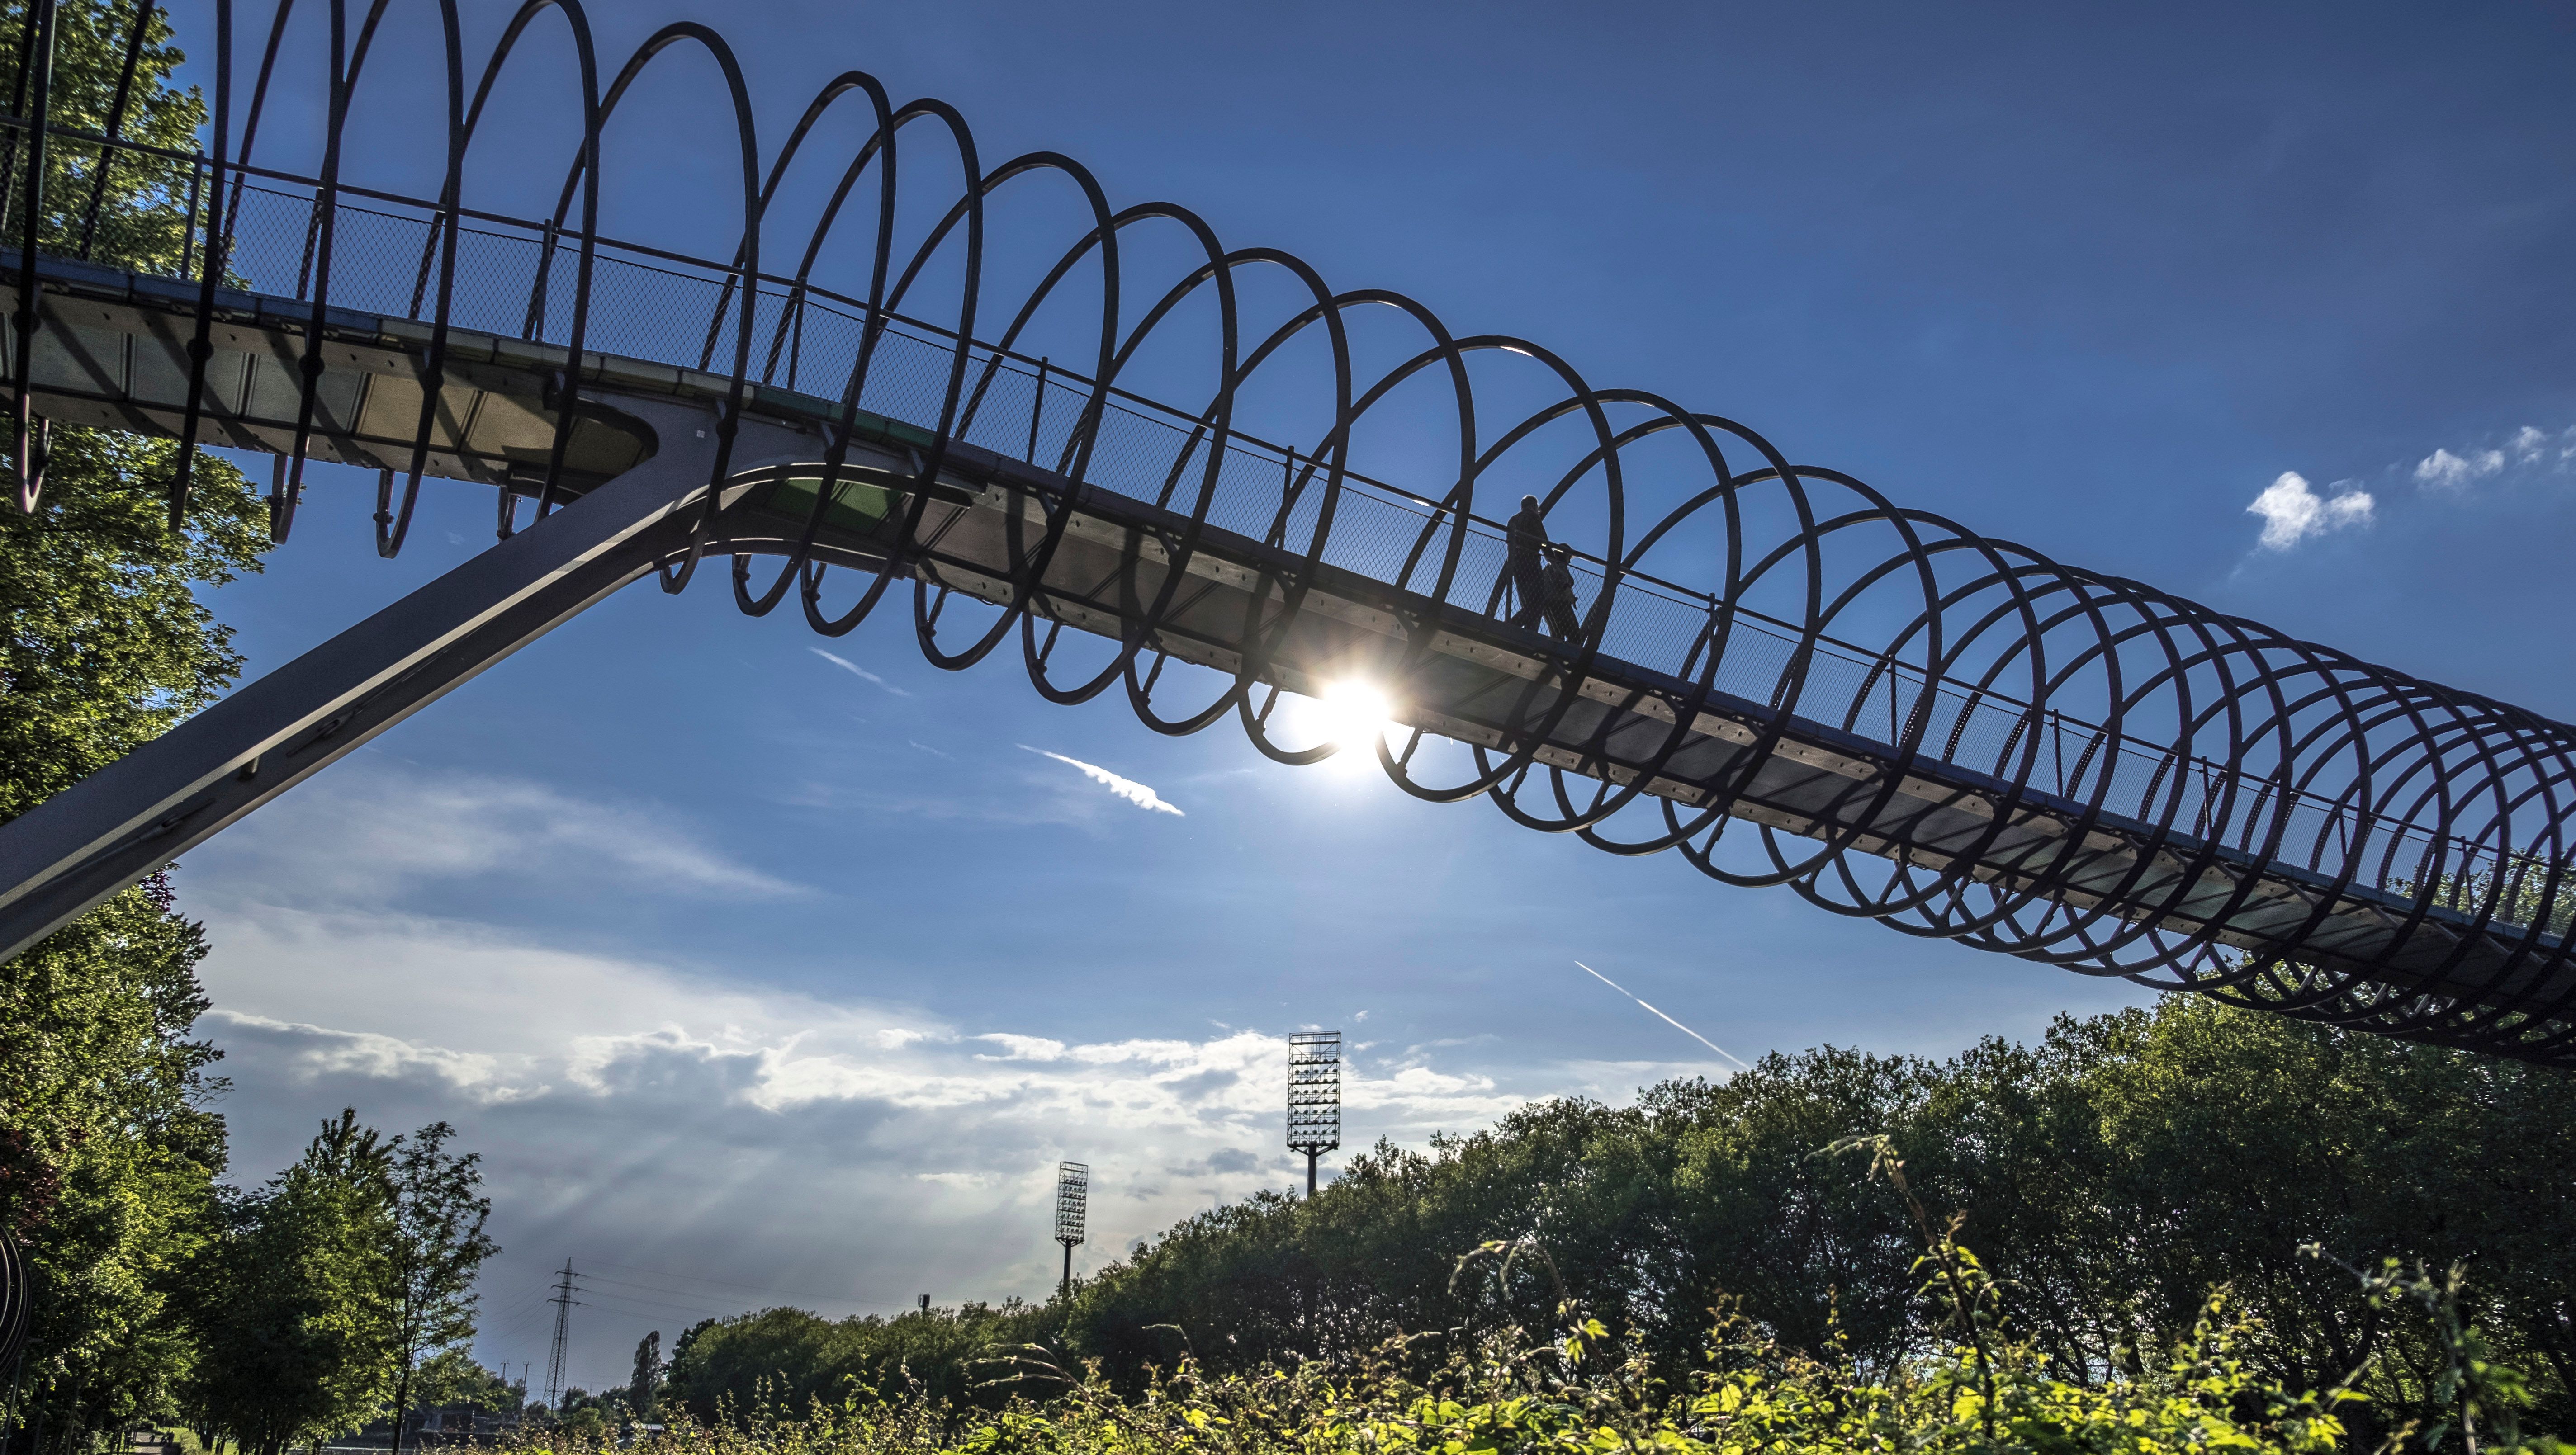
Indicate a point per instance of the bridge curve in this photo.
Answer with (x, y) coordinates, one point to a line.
(1905, 719)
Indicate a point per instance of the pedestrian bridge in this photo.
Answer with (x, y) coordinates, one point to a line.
(1783, 676)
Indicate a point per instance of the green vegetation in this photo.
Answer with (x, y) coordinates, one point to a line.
(140, 221)
(286, 1300)
(2114, 1174)
(336, 1293)
(262, 1318)
(107, 1149)
(1977, 1388)
(2118, 1176)
(1581, 1392)
(787, 1357)
(434, 1245)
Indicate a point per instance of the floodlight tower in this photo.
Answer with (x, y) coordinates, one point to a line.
(1072, 1206)
(1314, 1096)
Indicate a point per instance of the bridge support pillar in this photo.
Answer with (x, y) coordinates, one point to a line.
(133, 817)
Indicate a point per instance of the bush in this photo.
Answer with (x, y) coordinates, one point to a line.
(1584, 1391)
(1979, 1390)
(2115, 1172)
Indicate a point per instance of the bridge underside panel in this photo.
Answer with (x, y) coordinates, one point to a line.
(123, 364)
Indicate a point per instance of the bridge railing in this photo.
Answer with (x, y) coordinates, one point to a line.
(518, 277)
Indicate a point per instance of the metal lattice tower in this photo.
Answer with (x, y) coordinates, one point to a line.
(1314, 1096)
(564, 1304)
(1072, 1209)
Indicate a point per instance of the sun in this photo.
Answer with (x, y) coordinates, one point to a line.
(1355, 714)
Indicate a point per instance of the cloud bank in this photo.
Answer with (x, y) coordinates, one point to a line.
(846, 1154)
(701, 1140)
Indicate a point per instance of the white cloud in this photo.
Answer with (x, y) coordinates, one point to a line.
(2444, 470)
(1126, 788)
(862, 673)
(373, 827)
(2292, 512)
(848, 1153)
(317, 1051)
(820, 1148)
(2528, 447)
(1023, 1048)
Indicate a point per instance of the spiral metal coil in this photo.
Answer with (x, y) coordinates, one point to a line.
(17, 1304)
(2209, 743)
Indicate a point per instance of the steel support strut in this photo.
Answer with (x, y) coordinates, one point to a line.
(135, 816)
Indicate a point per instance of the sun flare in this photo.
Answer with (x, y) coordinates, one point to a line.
(1355, 714)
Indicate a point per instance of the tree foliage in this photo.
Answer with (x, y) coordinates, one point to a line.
(340, 1290)
(437, 1245)
(107, 1152)
(290, 1298)
(782, 1358)
(140, 219)
(107, 1148)
(1576, 1388)
(2117, 1175)
(2116, 1172)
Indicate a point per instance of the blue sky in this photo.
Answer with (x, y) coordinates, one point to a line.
(761, 976)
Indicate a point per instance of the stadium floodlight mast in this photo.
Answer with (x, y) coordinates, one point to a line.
(1072, 1207)
(1314, 1096)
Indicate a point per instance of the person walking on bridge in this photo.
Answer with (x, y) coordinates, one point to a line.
(1525, 544)
(1556, 592)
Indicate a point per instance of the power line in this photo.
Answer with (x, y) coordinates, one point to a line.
(511, 1327)
(700, 1278)
(524, 1294)
(518, 1319)
(623, 1303)
(727, 1301)
(518, 1310)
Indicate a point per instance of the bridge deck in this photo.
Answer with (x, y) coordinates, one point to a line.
(113, 355)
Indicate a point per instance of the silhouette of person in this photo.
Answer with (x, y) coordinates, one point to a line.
(1526, 543)
(1556, 593)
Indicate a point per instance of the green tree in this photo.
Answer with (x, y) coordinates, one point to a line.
(437, 1245)
(290, 1300)
(107, 1149)
(2113, 1174)
(2223, 1139)
(454, 1377)
(648, 1374)
(106, 1154)
(141, 219)
(783, 1359)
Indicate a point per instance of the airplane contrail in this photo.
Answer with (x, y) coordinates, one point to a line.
(1668, 1020)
